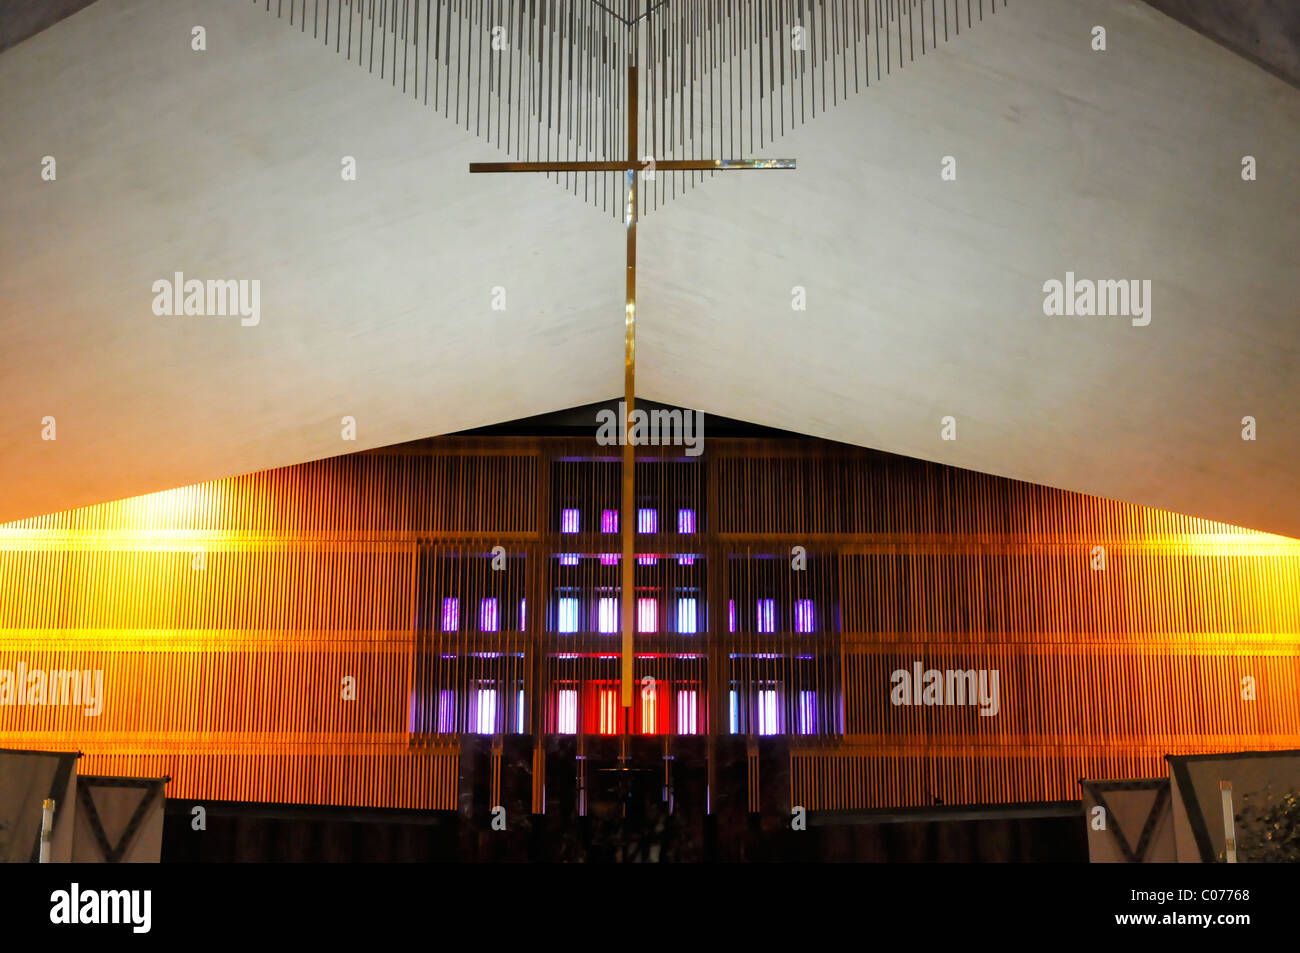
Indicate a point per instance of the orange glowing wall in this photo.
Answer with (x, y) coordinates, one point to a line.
(228, 618)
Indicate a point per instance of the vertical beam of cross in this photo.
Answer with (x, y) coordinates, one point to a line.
(628, 590)
(631, 166)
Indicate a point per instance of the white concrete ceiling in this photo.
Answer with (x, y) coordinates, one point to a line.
(924, 297)
(376, 295)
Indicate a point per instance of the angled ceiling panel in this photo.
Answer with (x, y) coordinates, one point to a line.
(925, 297)
(376, 295)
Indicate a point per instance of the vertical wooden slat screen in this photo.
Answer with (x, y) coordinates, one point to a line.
(1102, 671)
(226, 616)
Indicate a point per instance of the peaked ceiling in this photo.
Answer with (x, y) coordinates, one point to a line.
(924, 296)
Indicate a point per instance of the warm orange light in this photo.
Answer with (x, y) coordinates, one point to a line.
(225, 616)
(609, 710)
(649, 712)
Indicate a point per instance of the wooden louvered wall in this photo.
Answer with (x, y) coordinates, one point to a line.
(226, 616)
(1102, 671)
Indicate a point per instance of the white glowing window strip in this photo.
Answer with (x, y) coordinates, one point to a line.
(647, 615)
(731, 615)
(523, 615)
(647, 521)
(735, 711)
(686, 616)
(568, 615)
(804, 617)
(446, 711)
(450, 614)
(568, 559)
(607, 615)
(647, 560)
(807, 712)
(685, 521)
(609, 521)
(486, 711)
(487, 615)
(567, 712)
(686, 560)
(686, 711)
(766, 615)
(768, 722)
(519, 713)
(569, 521)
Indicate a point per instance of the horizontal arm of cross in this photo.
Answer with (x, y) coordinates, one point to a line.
(665, 165)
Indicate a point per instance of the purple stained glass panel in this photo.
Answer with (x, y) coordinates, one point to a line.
(607, 615)
(768, 721)
(568, 521)
(687, 708)
(647, 615)
(807, 712)
(446, 712)
(567, 713)
(487, 615)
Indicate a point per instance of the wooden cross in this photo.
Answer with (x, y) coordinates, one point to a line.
(632, 165)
